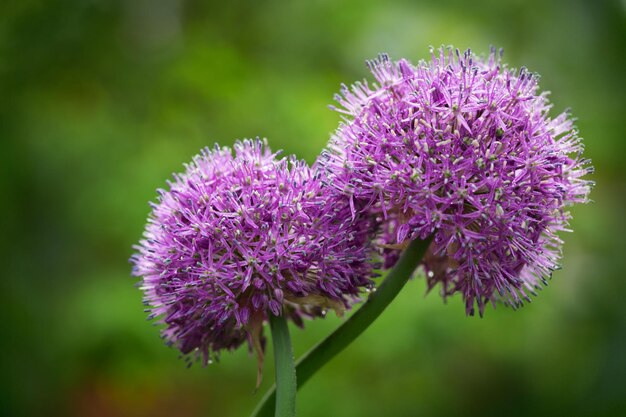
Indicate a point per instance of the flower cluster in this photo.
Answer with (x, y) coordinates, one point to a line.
(459, 148)
(239, 236)
(464, 149)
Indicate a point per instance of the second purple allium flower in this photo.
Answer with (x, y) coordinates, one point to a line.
(462, 148)
(237, 237)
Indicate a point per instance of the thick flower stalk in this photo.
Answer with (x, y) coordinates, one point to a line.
(463, 148)
(238, 237)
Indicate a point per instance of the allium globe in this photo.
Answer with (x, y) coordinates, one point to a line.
(463, 148)
(242, 235)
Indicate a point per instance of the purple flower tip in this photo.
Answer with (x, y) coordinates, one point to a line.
(239, 236)
(463, 148)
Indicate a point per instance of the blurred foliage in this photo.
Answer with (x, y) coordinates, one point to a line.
(100, 101)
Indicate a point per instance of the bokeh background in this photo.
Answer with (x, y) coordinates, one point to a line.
(100, 101)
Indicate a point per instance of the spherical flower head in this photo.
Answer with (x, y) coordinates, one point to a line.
(241, 235)
(463, 148)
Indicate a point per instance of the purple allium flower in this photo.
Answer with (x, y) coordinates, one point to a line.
(462, 148)
(240, 236)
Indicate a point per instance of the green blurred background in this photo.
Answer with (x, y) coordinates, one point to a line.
(100, 101)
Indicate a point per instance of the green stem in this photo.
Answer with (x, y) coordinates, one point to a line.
(355, 325)
(285, 369)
